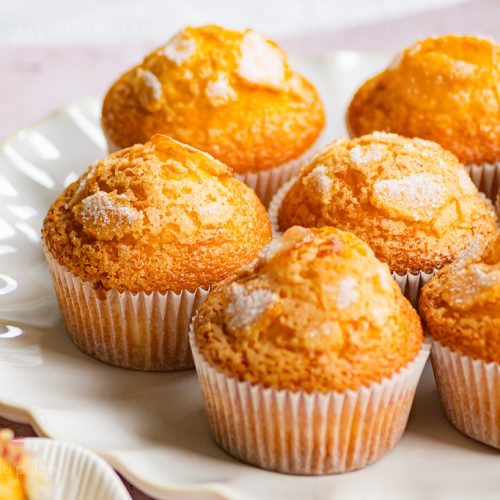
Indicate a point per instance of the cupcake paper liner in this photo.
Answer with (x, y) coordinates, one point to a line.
(410, 284)
(469, 390)
(132, 330)
(302, 433)
(275, 205)
(266, 182)
(486, 177)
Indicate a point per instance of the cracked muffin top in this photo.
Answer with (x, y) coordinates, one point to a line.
(317, 312)
(409, 199)
(229, 93)
(461, 303)
(156, 217)
(444, 89)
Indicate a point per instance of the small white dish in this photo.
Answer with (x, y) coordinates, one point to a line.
(150, 426)
(74, 472)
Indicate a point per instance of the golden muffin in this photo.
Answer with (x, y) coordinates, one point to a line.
(409, 199)
(229, 93)
(19, 477)
(317, 319)
(149, 227)
(461, 308)
(444, 89)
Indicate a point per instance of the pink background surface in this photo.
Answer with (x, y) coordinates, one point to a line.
(37, 80)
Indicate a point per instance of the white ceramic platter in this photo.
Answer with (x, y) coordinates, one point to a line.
(151, 427)
(74, 472)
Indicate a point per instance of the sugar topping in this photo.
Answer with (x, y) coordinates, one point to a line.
(380, 312)
(323, 330)
(462, 69)
(214, 211)
(318, 179)
(417, 196)
(471, 254)
(346, 293)
(395, 63)
(180, 49)
(380, 134)
(148, 89)
(409, 147)
(152, 83)
(246, 306)
(465, 182)
(469, 278)
(292, 238)
(261, 63)
(104, 214)
(219, 91)
(469, 283)
(425, 142)
(414, 49)
(339, 141)
(363, 155)
(385, 278)
(323, 337)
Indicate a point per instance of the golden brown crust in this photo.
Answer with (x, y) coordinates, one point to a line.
(461, 303)
(409, 199)
(229, 93)
(443, 89)
(318, 313)
(156, 217)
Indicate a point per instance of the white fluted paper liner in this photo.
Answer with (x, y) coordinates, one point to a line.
(469, 390)
(410, 284)
(267, 182)
(275, 205)
(486, 177)
(301, 433)
(140, 331)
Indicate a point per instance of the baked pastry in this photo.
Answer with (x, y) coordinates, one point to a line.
(317, 322)
(20, 478)
(444, 89)
(409, 199)
(229, 93)
(461, 308)
(135, 244)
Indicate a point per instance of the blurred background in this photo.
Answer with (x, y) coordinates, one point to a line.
(53, 52)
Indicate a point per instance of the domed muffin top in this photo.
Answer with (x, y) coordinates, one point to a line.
(461, 303)
(226, 92)
(317, 313)
(409, 199)
(444, 89)
(156, 217)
